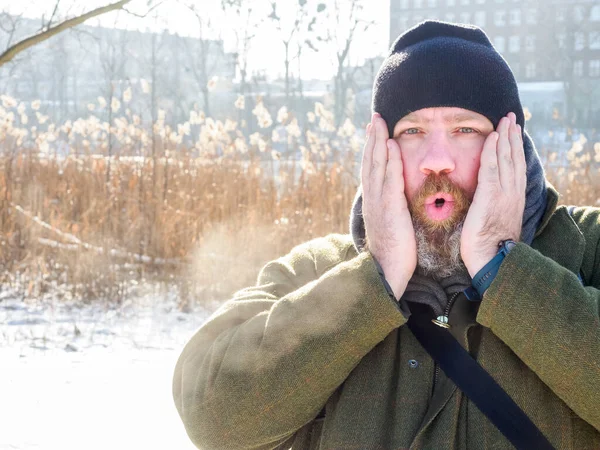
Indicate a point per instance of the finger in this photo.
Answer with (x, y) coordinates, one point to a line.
(367, 157)
(488, 168)
(394, 175)
(505, 162)
(520, 161)
(380, 155)
(516, 148)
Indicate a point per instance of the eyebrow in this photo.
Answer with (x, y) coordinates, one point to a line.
(455, 118)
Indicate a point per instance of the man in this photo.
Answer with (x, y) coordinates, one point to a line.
(318, 354)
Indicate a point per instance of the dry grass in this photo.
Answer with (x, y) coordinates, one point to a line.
(201, 206)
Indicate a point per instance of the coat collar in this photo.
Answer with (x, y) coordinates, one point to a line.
(558, 236)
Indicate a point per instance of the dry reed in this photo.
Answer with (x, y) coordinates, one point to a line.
(200, 206)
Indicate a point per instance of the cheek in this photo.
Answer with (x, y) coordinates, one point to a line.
(470, 172)
(413, 178)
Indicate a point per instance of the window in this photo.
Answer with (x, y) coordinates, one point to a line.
(579, 13)
(561, 38)
(594, 68)
(432, 3)
(531, 16)
(515, 17)
(595, 13)
(530, 43)
(480, 2)
(451, 2)
(500, 18)
(560, 14)
(499, 43)
(530, 70)
(465, 17)
(578, 68)
(418, 4)
(579, 40)
(594, 37)
(480, 18)
(403, 23)
(514, 44)
(403, 4)
(465, 2)
(450, 17)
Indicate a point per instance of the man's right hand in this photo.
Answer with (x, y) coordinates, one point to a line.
(388, 225)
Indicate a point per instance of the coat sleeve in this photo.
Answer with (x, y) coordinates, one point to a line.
(551, 321)
(266, 362)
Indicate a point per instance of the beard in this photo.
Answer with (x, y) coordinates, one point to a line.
(438, 241)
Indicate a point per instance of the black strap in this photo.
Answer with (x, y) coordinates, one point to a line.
(477, 384)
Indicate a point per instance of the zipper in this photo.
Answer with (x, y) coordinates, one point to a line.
(442, 321)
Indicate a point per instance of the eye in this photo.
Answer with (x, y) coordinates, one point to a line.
(411, 131)
(467, 130)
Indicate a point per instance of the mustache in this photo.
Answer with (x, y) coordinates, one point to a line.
(433, 184)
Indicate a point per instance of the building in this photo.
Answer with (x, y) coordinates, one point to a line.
(76, 67)
(545, 42)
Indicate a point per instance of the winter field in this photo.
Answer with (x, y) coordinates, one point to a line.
(118, 238)
(90, 377)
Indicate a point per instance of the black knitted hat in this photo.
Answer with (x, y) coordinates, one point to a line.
(445, 64)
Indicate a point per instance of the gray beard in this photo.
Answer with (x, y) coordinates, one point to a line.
(439, 257)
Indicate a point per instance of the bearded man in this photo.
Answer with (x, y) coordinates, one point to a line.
(454, 226)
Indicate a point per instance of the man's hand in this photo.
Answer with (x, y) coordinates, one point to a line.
(388, 225)
(496, 213)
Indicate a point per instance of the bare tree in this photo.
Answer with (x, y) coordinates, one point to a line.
(245, 24)
(345, 22)
(293, 31)
(206, 53)
(49, 29)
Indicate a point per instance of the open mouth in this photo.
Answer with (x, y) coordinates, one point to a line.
(439, 199)
(439, 206)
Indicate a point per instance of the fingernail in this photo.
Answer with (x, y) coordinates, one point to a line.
(368, 128)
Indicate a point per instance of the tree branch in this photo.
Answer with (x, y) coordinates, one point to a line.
(142, 16)
(23, 45)
(49, 24)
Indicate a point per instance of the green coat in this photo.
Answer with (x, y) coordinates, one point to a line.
(315, 356)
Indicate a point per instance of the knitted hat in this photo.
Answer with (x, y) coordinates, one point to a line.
(444, 64)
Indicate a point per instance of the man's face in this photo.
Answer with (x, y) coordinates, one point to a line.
(441, 141)
(440, 149)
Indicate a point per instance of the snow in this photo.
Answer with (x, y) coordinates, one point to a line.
(92, 377)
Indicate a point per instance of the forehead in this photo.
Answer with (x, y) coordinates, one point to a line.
(444, 114)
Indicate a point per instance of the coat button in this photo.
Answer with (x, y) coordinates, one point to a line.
(413, 363)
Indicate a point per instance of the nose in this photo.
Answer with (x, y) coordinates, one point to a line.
(437, 157)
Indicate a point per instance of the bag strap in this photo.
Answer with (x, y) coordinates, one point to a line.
(477, 384)
(570, 211)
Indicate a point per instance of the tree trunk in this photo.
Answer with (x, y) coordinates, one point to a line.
(287, 73)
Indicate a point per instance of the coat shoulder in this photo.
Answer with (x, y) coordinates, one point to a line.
(587, 219)
(309, 260)
(328, 251)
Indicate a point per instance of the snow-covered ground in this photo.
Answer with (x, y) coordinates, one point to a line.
(92, 377)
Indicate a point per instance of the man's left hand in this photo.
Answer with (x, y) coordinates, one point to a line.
(496, 213)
